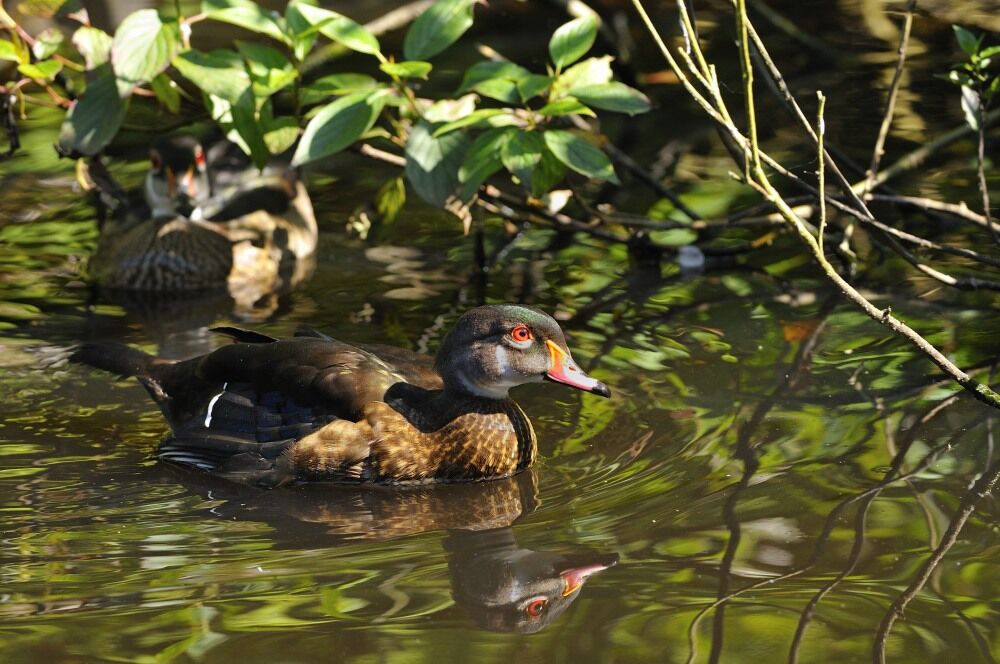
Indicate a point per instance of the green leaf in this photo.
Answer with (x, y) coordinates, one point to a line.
(390, 199)
(449, 110)
(337, 126)
(475, 118)
(280, 133)
(968, 41)
(580, 155)
(270, 71)
(521, 153)
(245, 14)
(532, 85)
(547, 173)
(47, 42)
(166, 92)
(93, 44)
(500, 89)
(674, 237)
(565, 106)
(340, 29)
(301, 33)
(244, 115)
(592, 71)
(437, 28)
(44, 70)
(489, 70)
(572, 40)
(406, 69)
(334, 85)
(482, 160)
(613, 96)
(220, 73)
(432, 163)
(94, 118)
(971, 107)
(143, 46)
(8, 51)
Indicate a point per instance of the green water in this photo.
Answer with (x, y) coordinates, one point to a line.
(771, 476)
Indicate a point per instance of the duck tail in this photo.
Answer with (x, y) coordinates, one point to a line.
(115, 358)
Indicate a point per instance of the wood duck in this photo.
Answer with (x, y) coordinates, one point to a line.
(269, 412)
(205, 221)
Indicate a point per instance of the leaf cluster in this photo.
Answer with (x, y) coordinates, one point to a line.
(978, 77)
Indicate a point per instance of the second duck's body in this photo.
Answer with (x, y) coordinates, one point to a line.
(207, 221)
(269, 412)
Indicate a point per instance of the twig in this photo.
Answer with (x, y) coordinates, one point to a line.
(890, 104)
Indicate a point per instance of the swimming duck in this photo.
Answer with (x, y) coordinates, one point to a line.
(268, 412)
(207, 220)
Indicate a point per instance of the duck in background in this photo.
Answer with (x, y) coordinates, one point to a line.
(206, 220)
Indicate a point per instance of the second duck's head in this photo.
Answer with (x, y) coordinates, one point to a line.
(496, 347)
(177, 181)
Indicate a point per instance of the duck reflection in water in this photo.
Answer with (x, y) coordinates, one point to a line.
(500, 584)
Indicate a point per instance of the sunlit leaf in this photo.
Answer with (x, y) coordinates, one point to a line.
(390, 198)
(532, 85)
(437, 28)
(572, 40)
(8, 51)
(337, 126)
(432, 163)
(270, 71)
(340, 29)
(489, 70)
(472, 119)
(44, 70)
(613, 96)
(47, 42)
(143, 46)
(449, 110)
(93, 44)
(220, 72)
(580, 155)
(971, 107)
(592, 71)
(674, 237)
(335, 85)
(245, 14)
(565, 106)
(407, 69)
(280, 134)
(94, 118)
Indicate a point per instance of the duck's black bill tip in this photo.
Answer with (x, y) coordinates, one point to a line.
(601, 390)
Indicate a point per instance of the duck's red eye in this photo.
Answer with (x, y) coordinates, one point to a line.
(520, 333)
(536, 607)
(199, 156)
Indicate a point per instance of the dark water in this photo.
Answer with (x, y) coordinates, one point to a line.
(773, 476)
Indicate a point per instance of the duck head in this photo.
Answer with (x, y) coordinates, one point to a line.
(177, 181)
(496, 347)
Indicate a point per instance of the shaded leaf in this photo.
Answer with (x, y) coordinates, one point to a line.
(432, 163)
(549, 172)
(580, 155)
(437, 28)
(340, 29)
(269, 70)
(166, 92)
(337, 126)
(245, 14)
(489, 70)
(301, 32)
(521, 153)
(94, 118)
(613, 96)
(572, 40)
(532, 85)
(93, 44)
(143, 46)
(244, 118)
(968, 41)
(407, 69)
